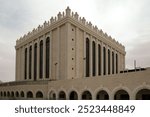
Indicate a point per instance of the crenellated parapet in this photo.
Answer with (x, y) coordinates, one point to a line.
(74, 16)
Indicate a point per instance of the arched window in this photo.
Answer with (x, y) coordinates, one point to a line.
(99, 59)
(62, 95)
(30, 62)
(113, 63)
(41, 59)
(17, 94)
(102, 95)
(4, 94)
(108, 61)
(86, 95)
(104, 61)
(39, 94)
(52, 95)
(35, 61)
(73, 95)
(25, 64)
(87, 57)
(29, 94)
(47, 57)
(12, 94)
(121, 95)
(93, 58)
(22, 94)
(8, 94)
(116, 63)
(143, 94)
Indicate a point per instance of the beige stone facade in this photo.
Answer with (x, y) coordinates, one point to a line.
(69, 58)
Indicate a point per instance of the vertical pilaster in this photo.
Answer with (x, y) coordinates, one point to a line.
(22, 62)
(115, 62)
(77, 52)
(50, 57)
(27, 62)
(106, 59)
(38, 58)
(84, 56)
(91, 57)
(96, 58)
(32, 69)
(44, 57)
(110, 60)
(102, 68)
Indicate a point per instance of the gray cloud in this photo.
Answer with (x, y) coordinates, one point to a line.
(126, 20)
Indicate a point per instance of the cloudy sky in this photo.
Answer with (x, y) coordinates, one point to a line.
(128, 21)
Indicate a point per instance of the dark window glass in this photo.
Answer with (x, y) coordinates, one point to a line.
(35, 61)
(41, 60)
(104, 60)
(99, 59)
(108, 61)
(47, 56)
(87, 57)
(30, 62)
(112, 62)
(93, 57)
(25, 64)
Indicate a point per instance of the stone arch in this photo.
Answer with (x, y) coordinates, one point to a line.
(52, 95)
(39, 94)
(8, 94)
(142, 90)
(12, 94)
(102, 89)
(22, 94)
(102, 95)
(86, 95)
(62, 95)
(29, 94)
(121, 93)
(16, 94)
(73, 95)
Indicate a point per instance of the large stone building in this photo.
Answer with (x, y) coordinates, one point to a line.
(69, 58)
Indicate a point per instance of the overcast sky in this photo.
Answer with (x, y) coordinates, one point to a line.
(128, 21)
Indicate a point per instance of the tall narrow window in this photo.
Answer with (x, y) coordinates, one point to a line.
(25, 64)
(104, 60)
(87, 57)
(116, 63)
(41, 59)
(30, 62)
(99, 59)
(35, 61)
(112, 62)
(108, 61)
(93, 58)
(47, 57)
